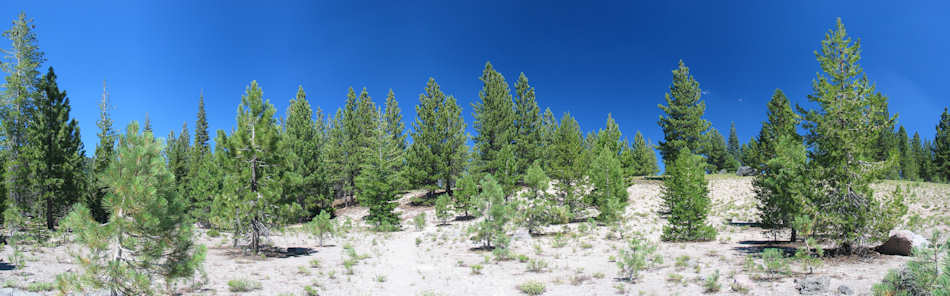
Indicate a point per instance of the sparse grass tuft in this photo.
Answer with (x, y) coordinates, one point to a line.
(243, 285)
(532, 288)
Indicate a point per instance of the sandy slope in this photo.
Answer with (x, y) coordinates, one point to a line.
(438, 260)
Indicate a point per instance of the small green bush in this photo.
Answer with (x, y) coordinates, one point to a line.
(213, 233)
(243, 285)
(532, 288)
(537, 265)
(711, 284)
(636, 257)
(442, 208)
(477, 269)
(39, 287)
(420, 221)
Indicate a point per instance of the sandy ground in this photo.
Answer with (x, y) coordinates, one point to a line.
(439, 260)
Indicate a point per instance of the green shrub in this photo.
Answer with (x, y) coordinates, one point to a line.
(537, 265)
(213, 233)
(711, 284)
(39, 287)
(243, 285)
(420, 221)
(477, 269)
(636, 257)
(442, 208)
(321, 226)
(532, 288)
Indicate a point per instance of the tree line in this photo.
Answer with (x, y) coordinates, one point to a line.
(138, 197)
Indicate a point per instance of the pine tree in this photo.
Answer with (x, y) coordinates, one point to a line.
(609, 138)
(252, 163)
(841, 136)
(566, 167)
(148, 123)
(358, 125)
(609, 193)
(497, 215)
(178, 154)
(379, 181)
(750, 153)
(782, 189)
(683, 125)
(394, 123)
(148, 239)
(303, 171)
(55, 151)
(438, 152)
(494, 124)
(922, 154)
(465, 199)
(717, 157)
(686, 199)
(644, 157)
(21, 89)
(733, 147)
(909, 166)
(782, 121)
(204, 180)
(528, 125)
(941, 149)
(105, 152)
(549, 127)
(201, 126)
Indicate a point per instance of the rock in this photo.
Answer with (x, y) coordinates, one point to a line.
(521, 234)
(845, 290)
(902, 242)
(745, 171)
(812, 285)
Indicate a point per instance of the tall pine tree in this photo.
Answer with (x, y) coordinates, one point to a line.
(302, 143)
(566, 167)
(21, 89)
(683, 125)
(528, 125)
(438, 152)
(105, 152)
(252, 188)
(841, 134)
(494, 125)
(56, 152)
(379, 179)
(733, 147)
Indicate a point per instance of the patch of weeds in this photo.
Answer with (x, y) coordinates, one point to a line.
(586, 245)
(559, 241)
(39, 287)
(739, 288)
(599, 275)
(213, 233)
(772, 265)
(420, 221)
(711, 284)
(243, 285)
(532, 288)
(315, 263)
(310, 291)
(418, 241)
(674, 278)
(621, 289)
(522, 258)
(348, 265)
(578, 279)
(682, 262)
(477, 269)
(380, 278)
(537, 265)
(303, 270)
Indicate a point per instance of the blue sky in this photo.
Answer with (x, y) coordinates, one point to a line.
(585, 57)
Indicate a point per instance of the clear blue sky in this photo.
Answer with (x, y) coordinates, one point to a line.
(585, 57)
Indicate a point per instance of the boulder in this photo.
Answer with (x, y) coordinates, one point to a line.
(845, 290)
(812, 285)
(902, 242)
(745, 171)
(521, 234)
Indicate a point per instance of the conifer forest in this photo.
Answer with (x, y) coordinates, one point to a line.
(833, 196)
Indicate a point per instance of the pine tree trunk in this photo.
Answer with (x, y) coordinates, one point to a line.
(794, 235)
